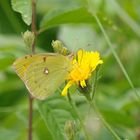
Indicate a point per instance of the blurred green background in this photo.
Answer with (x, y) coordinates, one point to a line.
(71, 22)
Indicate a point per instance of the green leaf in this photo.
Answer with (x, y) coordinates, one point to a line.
(25, 8)
(10, 21)
(40, 129)
(10, 134)
(14, 121)
(55, 111)
(6, 60)
(64, 16)
(119, 118)
(10, 84)
(10, 125)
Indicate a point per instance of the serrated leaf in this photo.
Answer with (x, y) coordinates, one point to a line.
(64, 16)
(55, 111)
(25, 8)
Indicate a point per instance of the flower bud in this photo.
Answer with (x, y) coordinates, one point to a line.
(28, 38)
(70, 129)
(58, 47)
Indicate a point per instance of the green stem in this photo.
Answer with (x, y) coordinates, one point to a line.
(76, 112)
(94, 84)
(112, 48)
(92, 104)
(116, 56)
(93, 90)
(125, 17)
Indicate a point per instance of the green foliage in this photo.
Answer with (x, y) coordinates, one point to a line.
(55, 111)
(24, 8)
(6, 60)
(64, 16)
(77, 28)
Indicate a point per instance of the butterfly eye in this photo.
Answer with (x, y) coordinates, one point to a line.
(46, 71)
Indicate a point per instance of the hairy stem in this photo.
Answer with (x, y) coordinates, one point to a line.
(30, 117)
(33, 27)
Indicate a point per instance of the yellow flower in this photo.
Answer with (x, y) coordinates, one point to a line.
(82, 67)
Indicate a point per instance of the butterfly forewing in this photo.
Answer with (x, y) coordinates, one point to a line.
(21, 64)
(43, 77)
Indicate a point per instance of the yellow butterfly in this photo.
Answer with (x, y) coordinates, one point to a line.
(43, 73)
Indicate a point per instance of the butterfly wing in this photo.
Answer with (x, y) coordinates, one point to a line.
(21, 64)
(45, 76)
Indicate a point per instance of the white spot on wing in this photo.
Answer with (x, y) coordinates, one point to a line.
(46, 71)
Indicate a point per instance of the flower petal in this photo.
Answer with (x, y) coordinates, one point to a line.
(80, 54)
(83, 83)
(64, 92)
(100, 62)
(83, 64)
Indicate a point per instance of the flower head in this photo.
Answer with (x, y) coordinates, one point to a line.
(82, 67)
